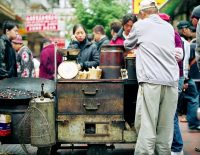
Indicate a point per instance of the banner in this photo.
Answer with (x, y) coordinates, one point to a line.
(136, 4)
(60, 42)
(41, 22)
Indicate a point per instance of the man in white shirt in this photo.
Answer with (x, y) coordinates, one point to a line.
(158, 75)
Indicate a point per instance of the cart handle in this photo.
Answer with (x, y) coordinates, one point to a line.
(85, 92)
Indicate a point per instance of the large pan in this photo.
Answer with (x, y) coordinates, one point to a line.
(17, 106)
(25, 86)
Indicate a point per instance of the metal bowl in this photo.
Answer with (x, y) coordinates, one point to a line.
(70, 53)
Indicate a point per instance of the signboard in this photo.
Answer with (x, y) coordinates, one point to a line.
(60, 42)
(136, 4)
(41, 22)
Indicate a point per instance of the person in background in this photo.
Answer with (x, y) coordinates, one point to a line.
(100, 37)
(114, 28)
(90, 37)
(24, 56)
(193, 34)
(191, 93)
(196, 23)
(195, 16)
(157, 74)
(177, 143)
(189, 41)
(47, 64)
(36, 62)
(185, 28)
(8, 67)
(194, 71)
(127, 22)
(88, 56)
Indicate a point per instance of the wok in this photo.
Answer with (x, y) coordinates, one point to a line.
(26, 85)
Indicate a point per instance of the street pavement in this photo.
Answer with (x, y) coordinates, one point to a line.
(191, 140)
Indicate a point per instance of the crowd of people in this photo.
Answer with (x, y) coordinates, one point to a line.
(89, 45)
(167, 63)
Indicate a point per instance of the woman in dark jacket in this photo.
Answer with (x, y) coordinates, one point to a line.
(88, 56)
(8, 67)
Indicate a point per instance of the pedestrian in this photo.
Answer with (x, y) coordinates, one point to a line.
(100, 37)
(185, 27)
(127, 22)
(24, 56)
(157, 75)
(47, 64)
(8, 67)
(196, 23)
(88, 56)
(115, 27)
(191, 94)
(195, 16)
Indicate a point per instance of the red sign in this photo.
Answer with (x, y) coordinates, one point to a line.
(41, 22)
(60, 42)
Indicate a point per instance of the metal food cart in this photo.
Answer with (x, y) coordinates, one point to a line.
(92, 112)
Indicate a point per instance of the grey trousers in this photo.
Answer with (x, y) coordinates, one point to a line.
(155, 110)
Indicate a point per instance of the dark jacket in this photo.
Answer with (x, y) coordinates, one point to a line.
(8, 67)
(178, 43)
(47, 66)
(194, 71)
(88, 56)
(100, 43)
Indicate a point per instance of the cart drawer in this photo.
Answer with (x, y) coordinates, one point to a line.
(90, 98)
(90, 129)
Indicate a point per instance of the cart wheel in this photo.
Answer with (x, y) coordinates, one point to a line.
(97, 150)
(44, 151)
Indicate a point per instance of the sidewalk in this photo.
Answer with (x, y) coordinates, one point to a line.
(191, 139)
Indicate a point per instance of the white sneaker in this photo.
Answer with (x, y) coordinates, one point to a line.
(177, 153)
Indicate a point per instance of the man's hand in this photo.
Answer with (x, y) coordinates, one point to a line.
(131, 53)
(178, 54)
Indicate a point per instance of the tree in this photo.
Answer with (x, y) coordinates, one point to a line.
(99, 12)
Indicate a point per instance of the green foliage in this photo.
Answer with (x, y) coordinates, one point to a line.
(99, 12)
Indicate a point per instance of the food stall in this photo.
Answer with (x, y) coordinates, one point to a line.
(95, 108)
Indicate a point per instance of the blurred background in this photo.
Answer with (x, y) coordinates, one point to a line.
(54, 19)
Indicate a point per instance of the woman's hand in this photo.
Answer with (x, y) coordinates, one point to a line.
(79, 67)
(73, 38)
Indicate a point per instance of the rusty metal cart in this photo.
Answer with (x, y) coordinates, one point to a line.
(91, 112)
(97, 113)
